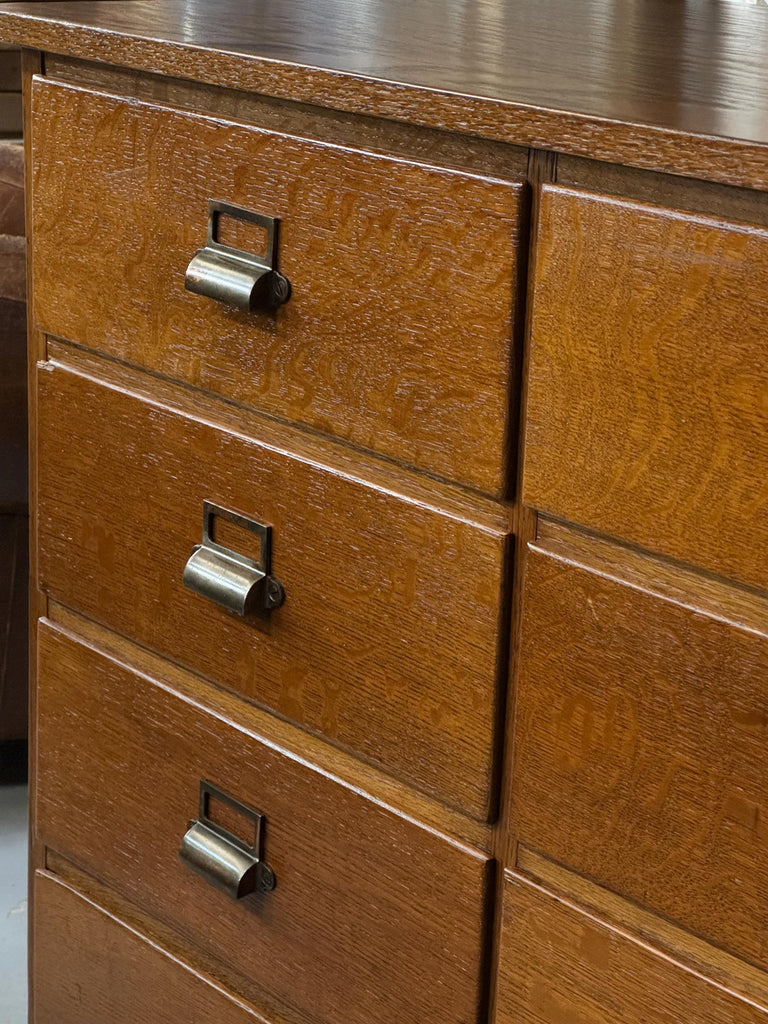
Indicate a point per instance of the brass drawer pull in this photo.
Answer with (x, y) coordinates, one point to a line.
(241, 584)
(219, 856)
(235, 277)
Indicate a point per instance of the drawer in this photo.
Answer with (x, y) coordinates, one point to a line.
(560, 966)
(367, 903)
(91, 968)
(388, 641)
(640, 748)
(398, 333)
(647, 414)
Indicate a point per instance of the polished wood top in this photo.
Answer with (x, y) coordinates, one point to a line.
(678, 86)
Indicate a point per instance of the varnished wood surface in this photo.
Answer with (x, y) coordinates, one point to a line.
(374, 918)
(638, 745)
(167, 941)
(398, 336)
(560, 966)
(665, 85)
(94, 968)
(391, 639)
(669, 939)
(327, 758)
(647, 411)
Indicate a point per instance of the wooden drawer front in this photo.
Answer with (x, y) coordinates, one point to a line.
(398, 334)
(559, 966)
(367, 905)
(640, 750)
(91, 968)
(387, 642)
(648, 402)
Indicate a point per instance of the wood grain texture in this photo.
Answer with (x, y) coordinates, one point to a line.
(711, 198)
(552, 75)
(398, 334)
(719, 967)
(94, 968)
(391, 639)
(374, 918)
(638, 748)
(31, 65)
(647, 411)
(326, 758)
(360, 131)
(170, 942)
(560, 966)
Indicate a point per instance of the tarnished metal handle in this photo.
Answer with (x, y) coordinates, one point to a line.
(221, 858)
(241, 584)
(235, 277)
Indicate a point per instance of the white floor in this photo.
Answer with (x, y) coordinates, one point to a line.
(13, 904)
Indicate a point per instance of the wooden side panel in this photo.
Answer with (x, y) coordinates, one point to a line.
(398, 334)
(647, 409)
(559, 966)
(93, 969)
(374, 918)
(640, 749)
(389, 637)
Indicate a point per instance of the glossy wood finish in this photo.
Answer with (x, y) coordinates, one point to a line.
(398, 334)
(95, 968)
(676, 87)
(390, 641)
(638, 746)
(374, 918)
(637, 841)
(326, 758)
(560, 966)
(647, 412)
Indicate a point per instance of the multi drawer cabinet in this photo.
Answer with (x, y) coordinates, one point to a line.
(400, 514)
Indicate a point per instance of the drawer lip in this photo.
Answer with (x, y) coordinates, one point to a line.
(646, 407)
(603, 965)
(615, 728)
(47, 888)
(402, 647)
(671, 143)
(434, 890)
(386, 256)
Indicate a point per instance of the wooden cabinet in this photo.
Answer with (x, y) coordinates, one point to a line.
(647, 409)
(399, 416)
(94, 967)
(396, 268)
(362, 895)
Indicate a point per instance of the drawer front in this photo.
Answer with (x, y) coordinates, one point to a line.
(559, 966)
(398, 333)
(367, 904)
(388, 640)
(640, 750)
(91, 968)
(647, 415)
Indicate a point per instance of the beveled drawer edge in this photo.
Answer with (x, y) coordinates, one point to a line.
(697, 589)
(367, 133)
(642, 927)
(485, 513)
(464, 833)
(716, 221)
(166, 942)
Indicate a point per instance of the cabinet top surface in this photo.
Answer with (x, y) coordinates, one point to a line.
(602, 78)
